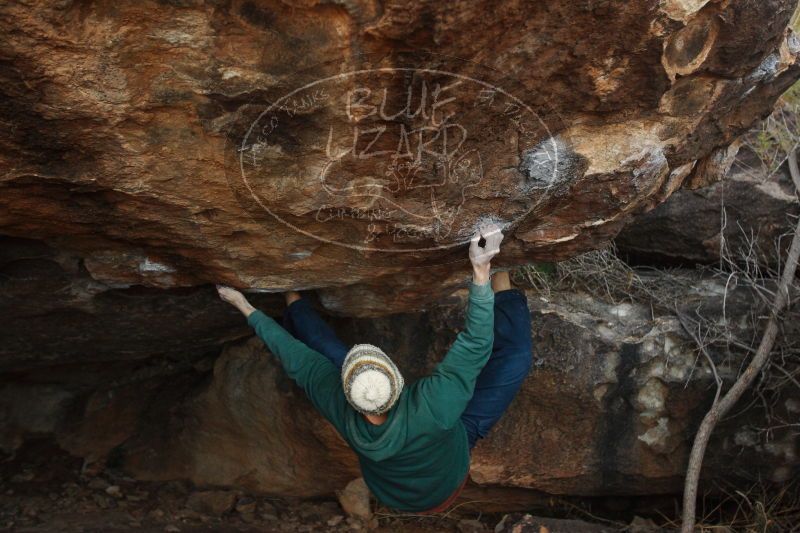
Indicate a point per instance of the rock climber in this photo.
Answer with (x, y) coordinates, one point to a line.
(413, 441)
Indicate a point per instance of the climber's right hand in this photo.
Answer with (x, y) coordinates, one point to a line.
(492, 236)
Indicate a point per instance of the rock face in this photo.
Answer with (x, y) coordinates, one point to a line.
(54, 313)
(149, 150)
(747, 211)
(608, 409)
(312, 145)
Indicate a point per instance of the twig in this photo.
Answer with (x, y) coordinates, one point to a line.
(721, 407)
(702, 347)
(789, 376)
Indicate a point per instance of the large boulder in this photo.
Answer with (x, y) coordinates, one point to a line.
(308, 144)
(748, 214)
(610, 408)
(54, 314)
(616, 391)
(152, 149)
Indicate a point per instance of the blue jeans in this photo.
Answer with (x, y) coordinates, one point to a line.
(498, 381)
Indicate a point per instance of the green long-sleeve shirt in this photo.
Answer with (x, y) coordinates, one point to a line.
(417, 458)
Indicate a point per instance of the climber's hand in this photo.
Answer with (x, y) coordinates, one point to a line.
(490, 236)
(235, 298)
(230, 295)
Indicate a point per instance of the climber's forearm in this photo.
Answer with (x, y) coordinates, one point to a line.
(245, 308)
(304, 365)
(481, 274)
(448, 390)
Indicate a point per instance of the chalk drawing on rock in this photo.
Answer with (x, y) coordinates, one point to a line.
(406, 157)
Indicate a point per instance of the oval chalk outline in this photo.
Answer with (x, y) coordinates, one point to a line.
(386, 69)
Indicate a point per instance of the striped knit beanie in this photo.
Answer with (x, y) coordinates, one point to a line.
(372, 383)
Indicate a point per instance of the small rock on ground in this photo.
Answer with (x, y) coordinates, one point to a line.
(525, 523)
(470, 526)
(212, 502)
(354, 499)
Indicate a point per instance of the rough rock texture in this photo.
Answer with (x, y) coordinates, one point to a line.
(753, 214)
(343, 146)
(609, 409)
(53, 313)
(151, 149)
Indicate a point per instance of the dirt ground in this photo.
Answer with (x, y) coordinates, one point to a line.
(44, 490)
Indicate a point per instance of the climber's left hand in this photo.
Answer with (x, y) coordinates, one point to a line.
(229, 294)
(235, 298)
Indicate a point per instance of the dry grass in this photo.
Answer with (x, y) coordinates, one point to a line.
(754, 510)
(726, 341)
(779, 134)
(603, 275)
(795, 22)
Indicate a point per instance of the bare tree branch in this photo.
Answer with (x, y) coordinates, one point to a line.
(702, 346)
(721, 407)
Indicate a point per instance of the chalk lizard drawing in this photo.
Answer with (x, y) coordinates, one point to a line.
(415, 167)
